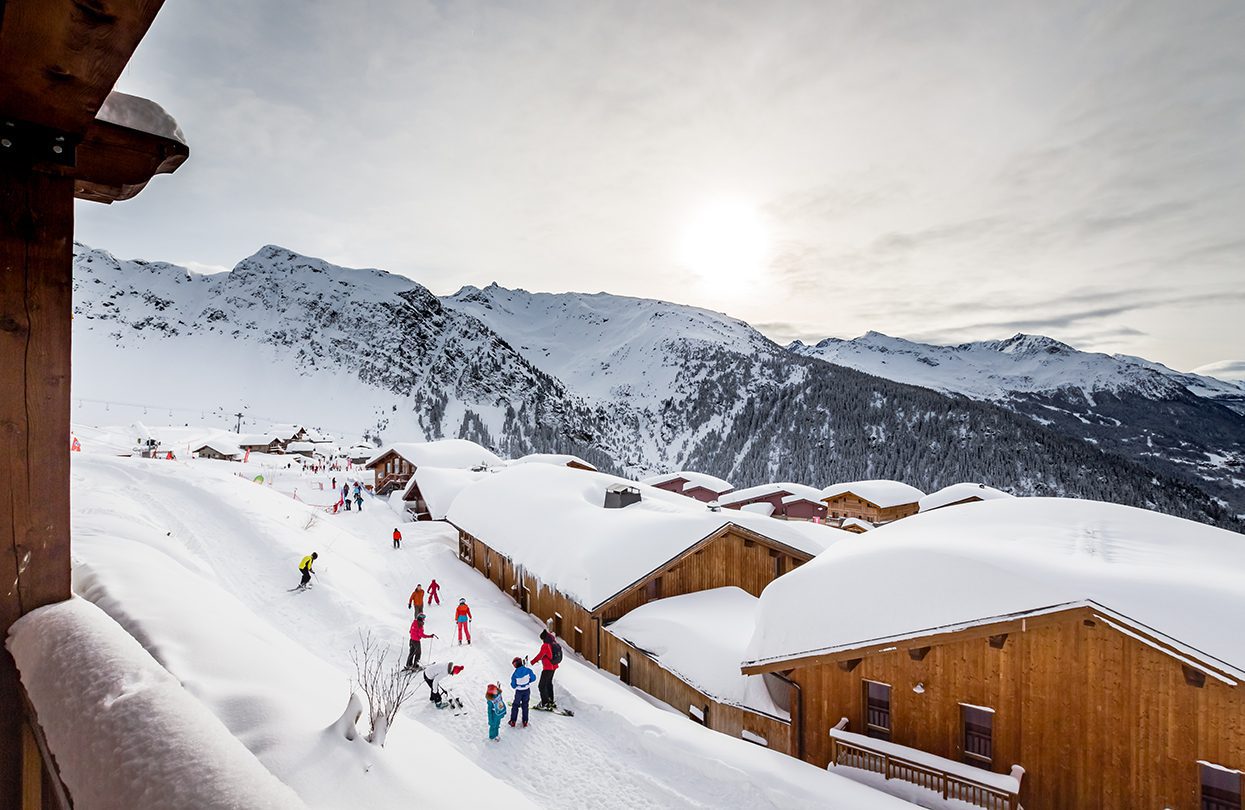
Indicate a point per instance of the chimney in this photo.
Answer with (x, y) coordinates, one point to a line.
(618, 496)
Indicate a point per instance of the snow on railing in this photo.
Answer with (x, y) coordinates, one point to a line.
(921, 769)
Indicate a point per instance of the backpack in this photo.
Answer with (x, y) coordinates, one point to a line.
(555, 652)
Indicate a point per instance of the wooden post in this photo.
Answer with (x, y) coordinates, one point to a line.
(36, 261)
(32, 771)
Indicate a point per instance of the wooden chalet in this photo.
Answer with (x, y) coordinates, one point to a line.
(394, 464)
(876, 501)
(785, 501)
(431, 490)
(219, 451)
(62, 136)
(261, 443)
(702, 487)
(1115, 699)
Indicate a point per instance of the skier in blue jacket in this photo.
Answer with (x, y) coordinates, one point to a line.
(521, 682)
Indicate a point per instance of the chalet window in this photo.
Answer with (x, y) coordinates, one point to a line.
(978, 733)
(699, 714)
(778, 566)
(557, 624)
(579, 639)
(652, 591)
(877, 710)
(1221, 787)
(624, 669)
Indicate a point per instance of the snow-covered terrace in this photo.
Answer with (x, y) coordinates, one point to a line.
(552, 520)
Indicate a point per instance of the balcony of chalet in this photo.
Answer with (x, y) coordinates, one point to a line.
(881, 763)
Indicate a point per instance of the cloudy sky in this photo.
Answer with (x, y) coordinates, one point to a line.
(940, 171)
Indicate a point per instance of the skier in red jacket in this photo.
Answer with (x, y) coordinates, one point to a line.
(433, 590)
(548, 657)
(417, 634)
(462, 617)
(397, 539)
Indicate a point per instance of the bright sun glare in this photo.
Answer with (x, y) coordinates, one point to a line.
(725, 243)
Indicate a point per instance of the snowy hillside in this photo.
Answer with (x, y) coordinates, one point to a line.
(160, 545)
(1187, 425)
(629, 385)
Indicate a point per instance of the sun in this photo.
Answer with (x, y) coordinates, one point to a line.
(726, 243)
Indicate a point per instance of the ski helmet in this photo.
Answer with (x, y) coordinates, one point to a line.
(492, 690)
(454, 670)
(462, 601)
(315, 556)
(421, 617)
(517, 662)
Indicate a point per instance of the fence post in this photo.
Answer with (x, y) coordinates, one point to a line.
(886, 766)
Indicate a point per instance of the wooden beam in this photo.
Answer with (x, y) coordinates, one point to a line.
(36, 264)
(115, 162)
(60, 58)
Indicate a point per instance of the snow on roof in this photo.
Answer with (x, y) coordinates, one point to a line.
(454, 453)
(440, 486)
(759, 508)
(301, 447)
(959, 492)
(123, 730)
(258, 438)
(882, 493)
(553, 521)
(219, 446)
(552, 458)
(701, 638)
(138, 113)
(764, 490)
(286, 431)
(694, 479)
(858, 523)
(1012, 555)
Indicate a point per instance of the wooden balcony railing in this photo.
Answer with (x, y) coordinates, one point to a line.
(949, 785)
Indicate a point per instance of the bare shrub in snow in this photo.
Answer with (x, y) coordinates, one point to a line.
(385, 685)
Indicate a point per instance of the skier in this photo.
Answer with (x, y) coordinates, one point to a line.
(334, 484)
(521, 682)
(496, 711)
(305, 567)
(417, 599)
(417, 635)
(433, 589)
(462, 617)
(397, 538)
(437, 677)
(549, 657)
(358, 499)
(345, 491)
(347, 502)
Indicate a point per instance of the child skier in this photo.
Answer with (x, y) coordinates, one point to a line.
(496, 711)
(417, 599)
(417, 635)
(433, 589)
(439, 688)
(305, 567)
(521, 682)
(462, 617)
(397, 538)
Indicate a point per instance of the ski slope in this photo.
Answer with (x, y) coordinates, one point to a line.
(195, 561)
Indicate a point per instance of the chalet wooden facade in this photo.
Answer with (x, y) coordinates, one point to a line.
(392, 471)
(217, 451)
(786, 501)
(849, 504)
(732, 555)
(1100, 712)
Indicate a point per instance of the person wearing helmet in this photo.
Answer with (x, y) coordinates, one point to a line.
(549, 657)
(438, 676)
(417, 636)
(496, 711)
(462, 617)
(521, 682)
(305, 567)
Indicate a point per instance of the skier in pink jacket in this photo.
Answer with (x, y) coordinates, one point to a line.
(417, 635)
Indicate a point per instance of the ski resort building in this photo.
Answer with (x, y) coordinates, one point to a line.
(959, 494)
(261, 443)
(218, 450)
(559, 459)
(874, 501)
(544, 535)
(394, 464)
(1035, 651)
(306, 449)
(785, 501)
(704, 488)
(431, 490)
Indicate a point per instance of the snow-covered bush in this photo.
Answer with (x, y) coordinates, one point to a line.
(385, 685)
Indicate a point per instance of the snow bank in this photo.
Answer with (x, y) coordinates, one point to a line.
(440, 486)
(553, 521)
(953, 566)
(124, 732)
(787, 489)
(959, 492)
(693, 479)
(881, 493)
(701, 638)
(453, 453)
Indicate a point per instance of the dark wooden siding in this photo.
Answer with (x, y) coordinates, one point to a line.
(851, 505)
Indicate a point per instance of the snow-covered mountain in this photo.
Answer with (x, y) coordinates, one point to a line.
(1184, 424)
(631, 385)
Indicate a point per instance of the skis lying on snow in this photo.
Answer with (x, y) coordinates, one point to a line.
(554, 710)
(299, 588)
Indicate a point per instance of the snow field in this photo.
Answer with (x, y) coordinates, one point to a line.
(196, 563)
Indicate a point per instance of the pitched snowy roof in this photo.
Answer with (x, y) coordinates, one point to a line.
(764, 490)
(952, 567)
(258, 438)
(553, 521)
(452, 453)
(701, 638)
(560, 459)
(224, 448)
(285, 431)
(301, 447)
(857, 523)
(959, 492)
(440, 486)
(693, 479)
(882, 493)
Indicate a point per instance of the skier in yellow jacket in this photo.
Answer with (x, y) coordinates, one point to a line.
(305, 567)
